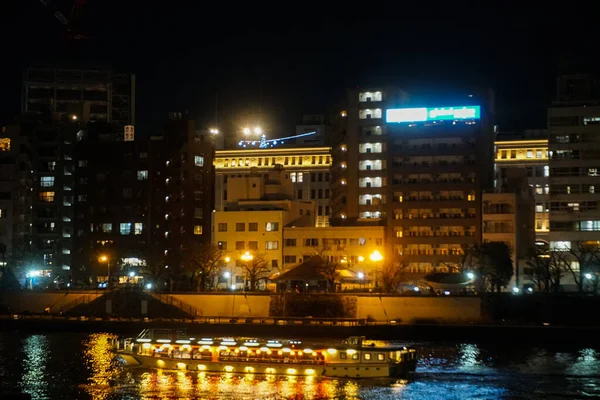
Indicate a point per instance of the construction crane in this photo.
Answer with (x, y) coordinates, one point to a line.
(72, 23)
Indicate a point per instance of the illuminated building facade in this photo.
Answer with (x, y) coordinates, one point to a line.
(574, 148)
(181, 177)
(308, 170)
(529, 151)
(252, 221)
(418, 170)
(350, 246)
(508, 215)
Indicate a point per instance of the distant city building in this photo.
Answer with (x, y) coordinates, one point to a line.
(307, 169)
(508, 217)
(85, 94)
(528, 150)
(258, 208)
(418, 167)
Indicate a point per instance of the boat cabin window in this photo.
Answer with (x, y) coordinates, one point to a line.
(343, 355)
(367, 356)
(381, 356)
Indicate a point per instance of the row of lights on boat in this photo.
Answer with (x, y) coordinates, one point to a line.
(207, 341)
(230, 368)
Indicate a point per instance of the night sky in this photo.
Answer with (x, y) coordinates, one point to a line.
(280, 61)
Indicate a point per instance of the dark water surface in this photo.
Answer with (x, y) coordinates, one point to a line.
(81, 366)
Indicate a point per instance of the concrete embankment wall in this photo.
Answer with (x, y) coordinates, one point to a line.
(381, 308)
(37, 302)
(407, 309)
(226, 305)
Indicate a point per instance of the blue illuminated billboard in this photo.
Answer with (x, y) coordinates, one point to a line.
(432, 114)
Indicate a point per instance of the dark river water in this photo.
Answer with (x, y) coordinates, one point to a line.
(81, 366)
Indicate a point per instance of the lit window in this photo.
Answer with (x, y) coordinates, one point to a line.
(138, 228)
(107, 227)
(47, 181)
(272, 226)
(471, 197)
(529, 153)
(300, 177)
(198, 161)
(293, 176)
(539, 208)
(197, 229)
(3, 213)
(272, 245)
(538, 154)
(546, 170)
(47, 197)
(125, 228)
(142, 175)
(4, 144)
(222, 227)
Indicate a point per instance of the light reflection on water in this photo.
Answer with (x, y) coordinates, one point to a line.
(80, 366)
(34, 380)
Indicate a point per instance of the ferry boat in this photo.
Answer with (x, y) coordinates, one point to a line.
(355, 357)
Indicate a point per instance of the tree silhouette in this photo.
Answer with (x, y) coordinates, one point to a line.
(495, 265)
(205, 261)
(587, 257)
(546, 269)
(257, 270)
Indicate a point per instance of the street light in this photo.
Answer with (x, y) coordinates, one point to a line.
(104, 258)
(588, 276)
(214, 131)
(470, 275)
(376, 256)
(361, 259)
(246, 131)
(247, 256)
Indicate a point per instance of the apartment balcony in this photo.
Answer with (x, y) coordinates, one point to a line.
(452, 149)
(424, 167)
(436, 239)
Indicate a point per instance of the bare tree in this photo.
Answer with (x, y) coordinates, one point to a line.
(579, 259)
(155, 269)
(257, 270)
(391, 275)
(205, 262)
(546, 271)
(495, 265)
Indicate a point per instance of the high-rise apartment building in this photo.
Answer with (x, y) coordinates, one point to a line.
(528, 150)
(307, 167)
(418, 167)
(110, 205)
(574, 148)
(60, 106)
(181, 175)
(15, 195)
